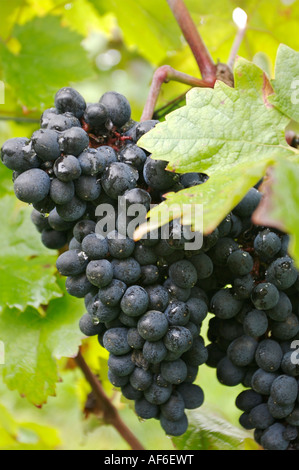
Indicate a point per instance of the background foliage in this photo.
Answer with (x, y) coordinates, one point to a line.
(96, 46)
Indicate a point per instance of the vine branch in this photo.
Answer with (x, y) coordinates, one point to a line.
(193, 38)
(163, 75)
(19, 119)
(110, 413)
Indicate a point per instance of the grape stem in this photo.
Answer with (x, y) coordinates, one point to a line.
(193, 38)
(163, 75)
(110, 413)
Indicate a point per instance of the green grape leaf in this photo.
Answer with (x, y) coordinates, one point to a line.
(286, 83)
(30, 361)
(27, 268)
(217, 197)
(27, 281)
(230, 134)
(143, 26)
(209, 431)
(280, 205)
(50, 57)
(221, 127)
(18, 435)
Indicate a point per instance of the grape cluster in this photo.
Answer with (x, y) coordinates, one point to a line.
(140, 297)
(146, 300)
(253, 294)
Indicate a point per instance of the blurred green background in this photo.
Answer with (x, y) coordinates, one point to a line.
(95, 46)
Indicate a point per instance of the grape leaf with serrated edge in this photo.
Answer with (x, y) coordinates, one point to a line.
(33, 343)
(230, 134)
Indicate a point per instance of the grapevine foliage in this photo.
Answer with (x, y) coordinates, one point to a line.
(218, 147)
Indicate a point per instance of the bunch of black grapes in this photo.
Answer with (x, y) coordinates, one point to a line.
(141, 297)
(146, 300)
(253, 294)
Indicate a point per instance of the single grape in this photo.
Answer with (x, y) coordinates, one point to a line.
(242, 350)
(261, 381)
(265, 296)
(127, 270)
(146, 410)
(174, 428)
(118, 108)
(133, 155)
(99, 273)
(268, 355)
(158, 395)
(135, 340)
(62, 192)
(247, 400)
(174, 372)
(67, 168)
(177, 313)
(121, 365)
(72, 263)
(83, 228)
(272, 438)
(267, 244)
(178, 339)
(249, 203)
(183, 274)
(135, 301)
(284, 390)
(282, 273)
(93, 161)
(18, 155)
(119, 178)
(260, 416)
(153, 325)
(72, 211)
(224, 305)
(78, 286)
(255, 323)
(156, 176)
(158, 297)
(154, 351)
(174, 408)
(54, 240)
(88, 328)
(192, 395)
(228, 373)
(141, 379)
(69, 100)
(115, 341)
(32, 186)
(240, 263)
(40, 221)
(95, 246)
(96, 115)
